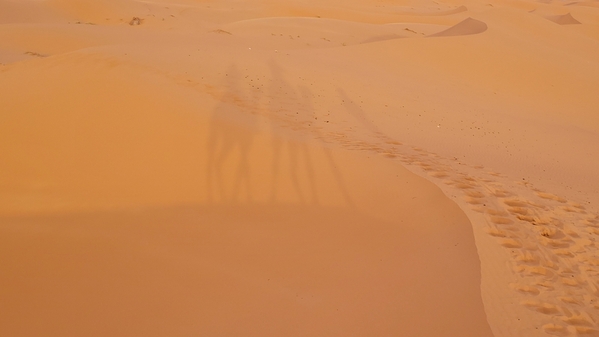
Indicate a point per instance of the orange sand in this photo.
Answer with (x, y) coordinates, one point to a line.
(302, 168)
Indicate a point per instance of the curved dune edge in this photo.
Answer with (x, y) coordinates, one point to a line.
(538, 234)
(303, 32)
(318, 33)
(566, 19)
(584, 4)
(457, 10)
(382, 38)
(468, 26)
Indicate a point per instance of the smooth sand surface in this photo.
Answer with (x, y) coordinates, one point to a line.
(301, 168)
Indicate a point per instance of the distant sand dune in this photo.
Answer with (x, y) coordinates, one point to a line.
(566, 19)
(584, 3)
(469, 26)
(382, 38)
(420, 12)
(97, 10)
(300, 33)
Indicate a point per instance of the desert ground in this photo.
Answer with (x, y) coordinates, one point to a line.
(299, 168)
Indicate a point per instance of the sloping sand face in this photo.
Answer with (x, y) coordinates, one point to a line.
(257, 169)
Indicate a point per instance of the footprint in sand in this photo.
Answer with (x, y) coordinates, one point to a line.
(510, 243)
(500, 220)
(550, 196)
(438, 174)
(542, 307)
(496, 232)
(555, 329)
(585, 331)
(527, 257)
(526, 289)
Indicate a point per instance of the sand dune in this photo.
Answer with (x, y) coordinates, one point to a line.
(433, 11)
(583, 3)
(267, 168)
(566, 19)
(468, 26)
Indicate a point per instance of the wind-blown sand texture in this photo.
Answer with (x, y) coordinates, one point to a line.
(299, 168)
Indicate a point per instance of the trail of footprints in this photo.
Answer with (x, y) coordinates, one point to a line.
(552, 241)
(553, 245)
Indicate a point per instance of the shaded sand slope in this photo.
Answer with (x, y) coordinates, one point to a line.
(156, 189)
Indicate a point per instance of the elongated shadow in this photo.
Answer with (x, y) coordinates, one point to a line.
(310, 113)
(283, 102)
(231, 130)
(293, 108)
(244, 138)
